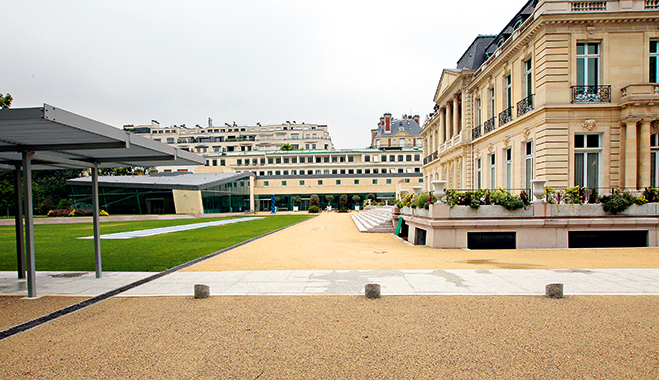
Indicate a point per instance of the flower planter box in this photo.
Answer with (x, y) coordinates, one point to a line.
(488, 211)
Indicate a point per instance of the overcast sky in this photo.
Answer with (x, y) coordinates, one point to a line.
(339, 63)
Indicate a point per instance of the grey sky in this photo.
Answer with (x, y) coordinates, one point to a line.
(340, 63)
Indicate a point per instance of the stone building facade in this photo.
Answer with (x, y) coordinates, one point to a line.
(567, 92)
(402, 133)
(235, 138)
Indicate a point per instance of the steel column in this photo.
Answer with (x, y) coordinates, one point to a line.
(29, 225)
(97, 227)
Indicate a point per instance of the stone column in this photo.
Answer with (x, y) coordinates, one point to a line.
(631, 161)
(644, 156)
(449, 120)
(442, 126)
(456, 115)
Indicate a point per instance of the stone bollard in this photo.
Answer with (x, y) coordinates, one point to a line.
(554, 291)
(202, 291)
(372, 291)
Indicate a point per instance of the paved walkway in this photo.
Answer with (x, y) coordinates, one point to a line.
(393, 282)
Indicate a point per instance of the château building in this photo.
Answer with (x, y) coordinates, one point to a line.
(402, 133)
(567, 92)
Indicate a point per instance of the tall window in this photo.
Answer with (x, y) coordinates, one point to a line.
(528, 78)
(654, 157)
(654, 68)
(588, 66)
(491, 102)
(478, 112)
(493, 171)
(479, 175)
(528, 164)
(586, 160)
(509, 168)
(508, 95)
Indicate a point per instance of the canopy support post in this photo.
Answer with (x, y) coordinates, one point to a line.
(97, 226)
(29, 225)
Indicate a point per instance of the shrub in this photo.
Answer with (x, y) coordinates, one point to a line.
(314, 209)
(617, 202)
(296, 199)
(422, 201)
(314, 200)
(356, 198)
(371, 197)
(343, 209)
(391, 202)
(575, 195)
(329, 199)
(343, 199)
(60, 212)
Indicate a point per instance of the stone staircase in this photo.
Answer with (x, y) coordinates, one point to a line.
(375, 220)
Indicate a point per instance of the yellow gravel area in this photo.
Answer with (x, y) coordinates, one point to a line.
(344, 337)
(15, 310)
(332, 241)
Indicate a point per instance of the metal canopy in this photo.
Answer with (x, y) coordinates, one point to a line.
(68, 140)
(50, 138)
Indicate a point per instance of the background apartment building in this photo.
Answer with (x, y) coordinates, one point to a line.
(567, 91)
(287, 174)
(234, 138)
(402, 133)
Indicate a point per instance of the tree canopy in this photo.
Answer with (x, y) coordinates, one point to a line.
(5, 100)
(287, 146)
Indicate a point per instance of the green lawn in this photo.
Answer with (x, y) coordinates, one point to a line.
(57, 249)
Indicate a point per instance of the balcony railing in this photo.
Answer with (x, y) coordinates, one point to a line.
(489, 125)
(591, 94)
(525, 105)
(651, 4)
(476, 132)
(430, 158)
(505, 116)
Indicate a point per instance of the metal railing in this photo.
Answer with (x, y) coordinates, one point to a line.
(591, 94)
(505, 116)
(430, 158)
(476, 132)
(489, 125)
(525, 105)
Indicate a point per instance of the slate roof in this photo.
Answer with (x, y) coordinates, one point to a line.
(168, 181)
(408, 125)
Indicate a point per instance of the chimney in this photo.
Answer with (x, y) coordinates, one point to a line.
(416, 118)
(373, 132)
(387, 122)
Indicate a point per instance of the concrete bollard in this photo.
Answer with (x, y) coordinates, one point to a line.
(554, 291)
(372, 291)
(202, 291)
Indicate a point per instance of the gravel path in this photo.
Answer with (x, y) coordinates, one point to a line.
(331, 241)
(15, 310)
(344, 337)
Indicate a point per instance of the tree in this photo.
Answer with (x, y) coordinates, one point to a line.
(371, 196)
(134, 170)
(5, 100)
(329, 199)
(314, 200)
(287, 146)
(296, 199)
(343, 200)
(356, 198)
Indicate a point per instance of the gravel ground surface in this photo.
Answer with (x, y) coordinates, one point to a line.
(331, 241)
(343, 337)
(16, 310)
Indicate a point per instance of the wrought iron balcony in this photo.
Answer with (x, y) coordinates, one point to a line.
(525, 105)
(591, 94)
(476, 132)
(489, 125)
(430, 158)
(505, 116)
